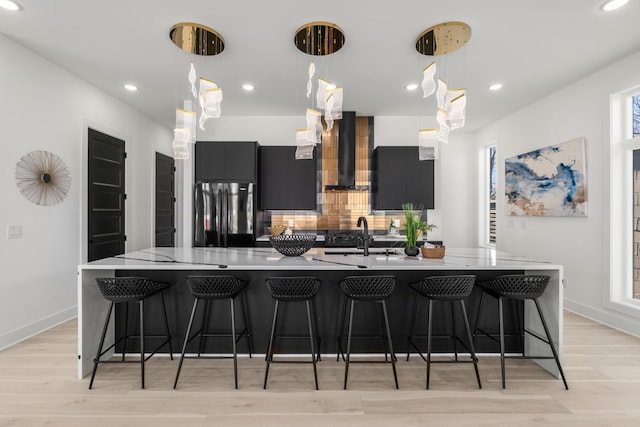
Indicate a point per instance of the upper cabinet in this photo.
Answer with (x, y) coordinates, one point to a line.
(286, 183)
(399, 177)
(226, 161)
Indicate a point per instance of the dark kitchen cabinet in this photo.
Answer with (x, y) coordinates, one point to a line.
(400, 177)
(286, 183)
(226, 161)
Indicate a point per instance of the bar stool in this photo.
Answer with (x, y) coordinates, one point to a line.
(444, 288)
(209, 289)
(517, 287)
(358, 289)
(294, 289)
(125, 290)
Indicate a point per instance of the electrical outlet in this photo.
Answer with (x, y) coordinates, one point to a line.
(14, 231)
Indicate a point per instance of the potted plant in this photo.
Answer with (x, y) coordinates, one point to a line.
(413, 225)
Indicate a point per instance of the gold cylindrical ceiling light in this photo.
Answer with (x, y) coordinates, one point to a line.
(197, 39)
(319, 38)
(443, 38)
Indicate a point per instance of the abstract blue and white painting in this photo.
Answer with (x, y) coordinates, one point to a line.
(551, 181)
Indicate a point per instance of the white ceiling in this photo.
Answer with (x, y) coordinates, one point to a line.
(533, 47)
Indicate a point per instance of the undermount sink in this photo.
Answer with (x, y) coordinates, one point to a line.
(353, 251)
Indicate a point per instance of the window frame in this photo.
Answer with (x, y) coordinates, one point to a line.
(484, 216)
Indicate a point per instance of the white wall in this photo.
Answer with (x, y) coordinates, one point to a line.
(455, 169)
(44, 107)
(580, 244)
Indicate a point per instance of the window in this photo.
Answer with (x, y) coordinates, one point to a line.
(487, 191)
(624, 229)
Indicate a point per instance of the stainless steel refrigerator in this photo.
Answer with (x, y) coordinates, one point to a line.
(224, 214)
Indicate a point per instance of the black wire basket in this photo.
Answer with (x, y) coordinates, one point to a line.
(293, 244)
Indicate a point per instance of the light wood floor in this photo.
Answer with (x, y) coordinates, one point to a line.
(38, 386)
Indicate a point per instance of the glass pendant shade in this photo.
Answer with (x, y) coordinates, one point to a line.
(427, 144)
(335, 109)
(322, 93)
(312, 71)
(304, 152)
(428, 80)
(441, 95)
(211, 107)
(314, 121)
(457, 112)
(192, 80)
(180, 140)
(186, 119)
(444, 130)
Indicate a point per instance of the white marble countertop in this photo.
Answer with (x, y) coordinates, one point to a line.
(314, 259)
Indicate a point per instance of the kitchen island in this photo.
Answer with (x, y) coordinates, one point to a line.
(255, 264)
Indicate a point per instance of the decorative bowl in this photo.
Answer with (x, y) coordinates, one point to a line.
(276, 230)
(432, 252)
(293, 244)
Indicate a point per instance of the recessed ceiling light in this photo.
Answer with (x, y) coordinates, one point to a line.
(411, 86)
(610, 5)
(495, 86)
(248, 87)
(9, 5)
(130, 87)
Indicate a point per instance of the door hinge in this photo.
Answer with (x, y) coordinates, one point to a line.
(125, 237)
(124, 155)
(174, 230)
(124, 196)
(174, 169)
(174, 200)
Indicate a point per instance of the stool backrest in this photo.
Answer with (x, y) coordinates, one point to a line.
(520, 286)
(122, 289)
(293, 288)
(215, 286)
(458, 286)
(372, 288)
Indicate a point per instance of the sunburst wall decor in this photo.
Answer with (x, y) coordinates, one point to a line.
(43, 178)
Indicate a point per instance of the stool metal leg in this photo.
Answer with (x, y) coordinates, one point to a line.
(233, 340)
(475, 330)
(204, 326)
(96, 361)
(126, 329)
(346, 366)
(142, 340)
(384, 340)
(166, 325)
(501, 314)
(453, 333)
(340, 334)
(413, 323)
(553, 348)
(429, 340)
(247, 327)
(392, 354)
(313, 350)
(315, 325)
(471, 347)
(186, 340)
(269, 354)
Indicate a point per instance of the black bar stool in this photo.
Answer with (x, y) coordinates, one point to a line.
(517, 287)
(126, 290)
(444, 288)
(211, 288)
(291, 289)
(375, 289)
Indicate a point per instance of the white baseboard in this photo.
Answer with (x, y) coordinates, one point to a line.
(25, 332)
(609, 318)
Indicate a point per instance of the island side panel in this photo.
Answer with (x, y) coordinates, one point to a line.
(92, 312)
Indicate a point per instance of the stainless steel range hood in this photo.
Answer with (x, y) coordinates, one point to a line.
(347, 155)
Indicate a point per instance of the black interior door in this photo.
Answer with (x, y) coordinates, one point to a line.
(106, 173)
(165, 201)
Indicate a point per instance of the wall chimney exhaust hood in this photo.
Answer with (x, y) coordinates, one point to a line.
(347, 155)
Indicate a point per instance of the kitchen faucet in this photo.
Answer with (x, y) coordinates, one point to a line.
(365, 234)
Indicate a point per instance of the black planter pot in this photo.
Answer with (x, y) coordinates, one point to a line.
(411, 251)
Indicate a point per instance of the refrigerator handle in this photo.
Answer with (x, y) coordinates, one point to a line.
(225, 215)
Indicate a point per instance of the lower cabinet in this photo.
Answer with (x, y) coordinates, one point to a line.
(400, 177)
(286, 183)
